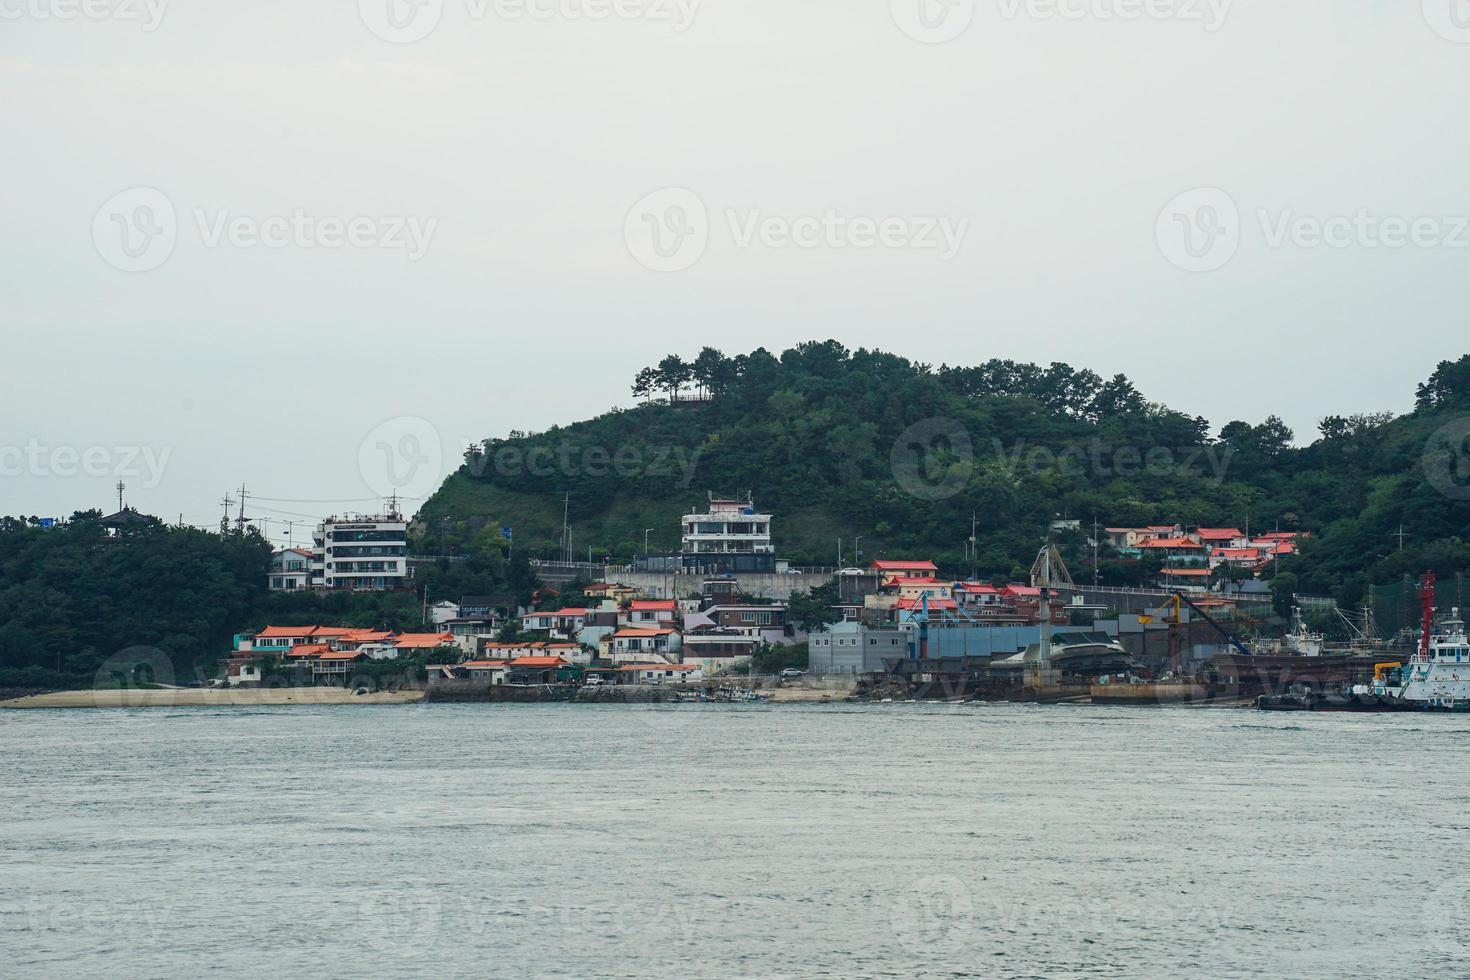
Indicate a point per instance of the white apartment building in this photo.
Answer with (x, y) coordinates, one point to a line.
(361, 553)
(733, 536)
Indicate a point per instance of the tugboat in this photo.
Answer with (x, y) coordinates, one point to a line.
(1437, 676)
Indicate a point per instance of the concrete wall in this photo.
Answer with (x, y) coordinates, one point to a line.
(662, 586)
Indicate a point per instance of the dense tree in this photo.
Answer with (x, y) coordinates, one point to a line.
(842, 443)
(1448, 385)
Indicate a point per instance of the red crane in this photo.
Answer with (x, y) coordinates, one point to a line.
(1426, 606)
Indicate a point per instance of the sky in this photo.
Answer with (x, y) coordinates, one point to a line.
(316, 248)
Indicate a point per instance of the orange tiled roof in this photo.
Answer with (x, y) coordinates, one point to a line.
(538, 662)
(423, 641)
(276, 632)
(934, 603)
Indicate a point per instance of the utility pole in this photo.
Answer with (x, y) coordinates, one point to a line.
(1094, 553)
(121, 486)
(974, 550)
(1400, 535)
(240, 524)
(224, 524)
(1276, 553)
(566, 538)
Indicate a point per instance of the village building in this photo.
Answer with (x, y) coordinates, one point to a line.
(290, 570)
(659, 673)
(853, 648)
(718, 651)
(629, 643)
(889, 569)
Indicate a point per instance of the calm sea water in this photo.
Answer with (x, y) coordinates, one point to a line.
(753, 841)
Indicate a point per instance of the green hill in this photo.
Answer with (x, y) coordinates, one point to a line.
(841, 444)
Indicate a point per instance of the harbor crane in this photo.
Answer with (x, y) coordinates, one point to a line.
(1175, 604)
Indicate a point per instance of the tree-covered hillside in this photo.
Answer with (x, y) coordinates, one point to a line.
(847, 444)
(79, 606)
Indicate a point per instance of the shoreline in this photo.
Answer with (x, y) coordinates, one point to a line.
(198, 697)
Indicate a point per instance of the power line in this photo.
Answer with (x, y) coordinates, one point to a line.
(331, 500)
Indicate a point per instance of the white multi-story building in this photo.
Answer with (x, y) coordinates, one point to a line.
(732, 537)
(291, 569)
(361, 553)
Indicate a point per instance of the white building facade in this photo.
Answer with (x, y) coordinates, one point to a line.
(733, 536)
(362, 554)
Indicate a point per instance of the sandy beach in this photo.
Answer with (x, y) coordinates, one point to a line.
(193, 697)
(839, 691)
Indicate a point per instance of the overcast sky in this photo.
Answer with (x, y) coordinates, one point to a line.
(544, 204)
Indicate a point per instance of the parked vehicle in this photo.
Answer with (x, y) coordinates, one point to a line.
(791, 672)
